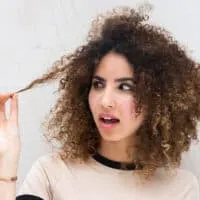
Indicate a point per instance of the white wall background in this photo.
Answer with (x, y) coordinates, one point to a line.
(34, 33)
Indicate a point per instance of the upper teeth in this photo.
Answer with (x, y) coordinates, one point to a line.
(107, 118)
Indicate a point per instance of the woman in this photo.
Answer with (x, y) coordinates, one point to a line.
(128, 107)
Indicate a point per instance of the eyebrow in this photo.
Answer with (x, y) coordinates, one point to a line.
(116, 80)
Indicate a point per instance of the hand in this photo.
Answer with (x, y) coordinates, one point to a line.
(9, 136)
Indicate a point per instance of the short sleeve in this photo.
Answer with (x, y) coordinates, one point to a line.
(36, 183)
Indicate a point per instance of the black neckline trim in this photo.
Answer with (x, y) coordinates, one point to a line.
(115, 164)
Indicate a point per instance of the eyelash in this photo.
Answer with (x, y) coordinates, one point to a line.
(96, 87)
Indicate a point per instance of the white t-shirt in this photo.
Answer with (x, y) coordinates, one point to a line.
(52, 179)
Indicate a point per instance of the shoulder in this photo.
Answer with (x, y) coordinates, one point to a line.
(189, 184)
(43, 176)
(56, 168)
(178, 176)
(186, 177)
(50, 160)
(50, 166)
(179, 182)
(54, 161)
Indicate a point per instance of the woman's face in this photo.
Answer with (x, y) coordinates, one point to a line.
(111, 99)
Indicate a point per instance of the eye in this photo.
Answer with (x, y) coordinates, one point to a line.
(126, 87)
(97, 84)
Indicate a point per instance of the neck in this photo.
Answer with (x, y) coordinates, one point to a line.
(116, 150)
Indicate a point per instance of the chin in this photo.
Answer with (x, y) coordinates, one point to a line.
(111, 138)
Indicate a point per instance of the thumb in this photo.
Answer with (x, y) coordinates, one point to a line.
(14, 108)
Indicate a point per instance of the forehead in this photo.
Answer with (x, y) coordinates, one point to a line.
(114, 65)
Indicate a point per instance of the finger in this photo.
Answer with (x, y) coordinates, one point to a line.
(2, 112)
(14, 109)
(3, 99)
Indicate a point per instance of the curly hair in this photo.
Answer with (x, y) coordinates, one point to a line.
(166, 81)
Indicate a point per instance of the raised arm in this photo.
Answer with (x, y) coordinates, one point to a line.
(9, 147)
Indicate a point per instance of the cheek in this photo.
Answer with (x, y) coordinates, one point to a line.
(92, 100)
(127, 107)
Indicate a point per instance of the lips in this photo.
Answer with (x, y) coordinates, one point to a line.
(108, 119)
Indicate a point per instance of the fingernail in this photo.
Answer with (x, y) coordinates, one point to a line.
(13, 95)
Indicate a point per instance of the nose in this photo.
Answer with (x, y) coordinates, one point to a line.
(107, 100)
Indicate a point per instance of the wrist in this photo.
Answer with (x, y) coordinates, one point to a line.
(8, 168)
(8, 179)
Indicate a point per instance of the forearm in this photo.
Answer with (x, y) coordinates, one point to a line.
(9, 147)
(8, 173)
(7, 190)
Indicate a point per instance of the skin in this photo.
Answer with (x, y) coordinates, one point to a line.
(111, 95)
(113, 98)
(9, 145)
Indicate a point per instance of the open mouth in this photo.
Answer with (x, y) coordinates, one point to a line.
(107, 120)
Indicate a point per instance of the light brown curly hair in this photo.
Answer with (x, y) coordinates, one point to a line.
(167, 82)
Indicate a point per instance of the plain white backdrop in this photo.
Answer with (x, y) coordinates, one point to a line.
(35, 33)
